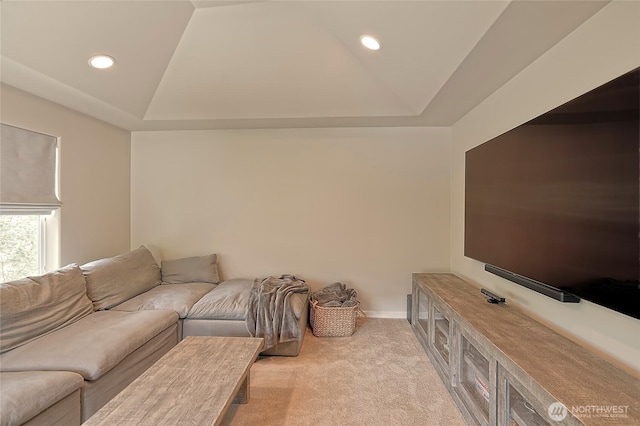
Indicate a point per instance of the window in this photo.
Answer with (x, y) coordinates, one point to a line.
(28, 163)
(21, 246)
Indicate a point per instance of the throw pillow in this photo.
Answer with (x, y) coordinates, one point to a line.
(196, 269)
(34, 306)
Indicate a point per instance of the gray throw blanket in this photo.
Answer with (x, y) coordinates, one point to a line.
(335, 295)
(269, 311)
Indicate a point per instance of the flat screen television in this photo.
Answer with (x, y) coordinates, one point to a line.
(555, 202)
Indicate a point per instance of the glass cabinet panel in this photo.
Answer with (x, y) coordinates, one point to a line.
(474, 380)
(521, 412)
(423, 312)
(519, 407)
(441, 335)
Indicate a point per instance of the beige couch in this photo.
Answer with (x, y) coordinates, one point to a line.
(72, 339)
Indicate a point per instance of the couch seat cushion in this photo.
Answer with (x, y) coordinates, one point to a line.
(228, 301)
(34, 306)
(26, 394)
(91, 346)
(170, 297)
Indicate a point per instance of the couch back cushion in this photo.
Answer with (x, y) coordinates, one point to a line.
(113, 280)
(35, 306)
(197, 269)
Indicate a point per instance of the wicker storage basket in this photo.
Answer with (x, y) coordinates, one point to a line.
(333, 321)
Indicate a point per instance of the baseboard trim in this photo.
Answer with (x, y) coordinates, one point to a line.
(386, 314)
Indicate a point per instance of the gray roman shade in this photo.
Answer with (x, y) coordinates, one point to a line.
(27, 171)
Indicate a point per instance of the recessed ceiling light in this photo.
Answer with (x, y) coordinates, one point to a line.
(101, 61)
(370, 42)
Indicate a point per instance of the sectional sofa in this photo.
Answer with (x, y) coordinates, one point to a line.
(72, 339)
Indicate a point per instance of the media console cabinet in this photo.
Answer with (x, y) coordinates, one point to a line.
(504, 368)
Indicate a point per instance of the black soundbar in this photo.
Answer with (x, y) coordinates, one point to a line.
(547, 290)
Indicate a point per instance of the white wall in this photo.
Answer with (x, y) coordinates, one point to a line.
(606, 46)
(94, 175)
(363, 206)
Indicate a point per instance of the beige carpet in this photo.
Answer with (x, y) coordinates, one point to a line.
(379, 376)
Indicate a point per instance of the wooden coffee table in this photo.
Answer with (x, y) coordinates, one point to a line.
(194, 383)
